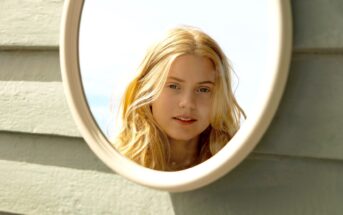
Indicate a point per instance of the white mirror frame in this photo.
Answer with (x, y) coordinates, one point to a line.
(225, 160)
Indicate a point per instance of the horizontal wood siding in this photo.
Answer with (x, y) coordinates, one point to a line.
(47, 168)
(35, 107)
(318, 25)
(309, 120)
(37, 189)
(30, 24)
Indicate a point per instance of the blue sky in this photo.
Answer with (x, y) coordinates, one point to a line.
(114, 36)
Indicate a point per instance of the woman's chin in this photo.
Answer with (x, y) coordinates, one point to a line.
(181, 138)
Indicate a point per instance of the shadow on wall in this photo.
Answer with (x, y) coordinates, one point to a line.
(265, 184)
(49, 150)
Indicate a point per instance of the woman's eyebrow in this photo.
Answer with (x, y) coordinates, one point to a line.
(206, 82)
(176, 79)
(180, 80)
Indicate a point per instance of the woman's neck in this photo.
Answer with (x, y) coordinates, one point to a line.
(183, 154)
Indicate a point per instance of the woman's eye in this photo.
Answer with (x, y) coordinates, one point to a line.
(173, 86)
(204, 90)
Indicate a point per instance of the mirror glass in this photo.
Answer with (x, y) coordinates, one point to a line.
(114, 38)
(102, 44)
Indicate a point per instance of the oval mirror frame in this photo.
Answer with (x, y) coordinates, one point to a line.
(227, 158)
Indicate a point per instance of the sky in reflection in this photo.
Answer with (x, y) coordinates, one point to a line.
(114, 36)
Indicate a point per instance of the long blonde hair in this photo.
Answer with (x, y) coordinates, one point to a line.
(141, 139)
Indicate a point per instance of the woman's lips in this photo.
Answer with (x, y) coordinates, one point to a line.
(184, 120)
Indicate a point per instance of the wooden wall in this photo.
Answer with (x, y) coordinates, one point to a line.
(47, 168)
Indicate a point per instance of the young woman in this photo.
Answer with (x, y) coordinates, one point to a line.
(180, 110)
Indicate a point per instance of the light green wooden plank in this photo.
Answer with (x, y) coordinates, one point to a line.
(269, 185)
(29, 66)
(30, 23)
(260, 185)
(307, 124)
(317, 25)
(7, 213)
(36, 189)
(309, 121)
(49, 150)
(35, 107)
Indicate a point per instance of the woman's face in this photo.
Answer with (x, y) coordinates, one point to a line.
(183, 108)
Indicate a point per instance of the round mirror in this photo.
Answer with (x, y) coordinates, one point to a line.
(109, 48)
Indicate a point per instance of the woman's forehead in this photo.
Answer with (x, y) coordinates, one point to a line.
(192, 67)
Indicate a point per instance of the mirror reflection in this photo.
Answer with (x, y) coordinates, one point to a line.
(170, 87)
(180, 110)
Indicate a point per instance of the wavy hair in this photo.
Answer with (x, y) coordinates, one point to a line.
(141, 139)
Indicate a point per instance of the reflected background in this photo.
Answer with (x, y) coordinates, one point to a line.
(115, 35)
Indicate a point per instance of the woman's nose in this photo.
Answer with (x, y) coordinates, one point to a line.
(187, 100)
